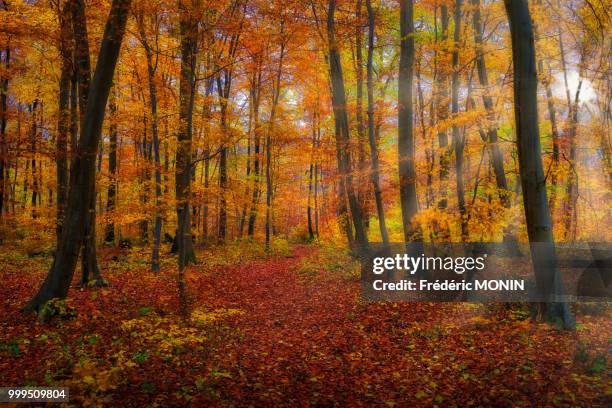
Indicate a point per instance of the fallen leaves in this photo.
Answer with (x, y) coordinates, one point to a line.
(264, 333)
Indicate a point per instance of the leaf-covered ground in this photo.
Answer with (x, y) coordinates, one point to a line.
(285, 331)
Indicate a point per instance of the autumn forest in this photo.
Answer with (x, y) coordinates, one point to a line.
(188, 190)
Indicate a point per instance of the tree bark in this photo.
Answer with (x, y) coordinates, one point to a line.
(63, 125)
(361, 140)
(4, 171)
(89, 262)
(375, 171)
(109, 233)
(60, 274)
(405, 141)
(275, 98)
(497, 159)
(537, 215)
(458, 140)
(342, 129)
(257, 154)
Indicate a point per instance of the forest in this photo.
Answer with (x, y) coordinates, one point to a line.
(187, 190)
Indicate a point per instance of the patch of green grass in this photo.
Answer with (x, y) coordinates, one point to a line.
(332, 260)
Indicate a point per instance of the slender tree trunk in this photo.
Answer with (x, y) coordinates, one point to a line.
(375, 171)
(33, 136)
(342, 129)
(458, 139)
(405, 141)
(441, 229)
(497, 159)
(4, 170)
(81, 191)
(155, 141)
(223, 159)
(537, 215)
(257, 153)
(109, 233)
(545, 80)
(571, 212)
(275, 98)
(361, 139)
(63, 126)
(188, 42)
(311, 169)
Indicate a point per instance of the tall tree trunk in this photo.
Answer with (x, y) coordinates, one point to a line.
(405, 141)
(537, 215)
(311, 169)
(89, 262)
(275, 98)
(111, 197)
(342, 129)
(375, 172)
(497, 159)
(223, 95)
(63, 126)
(257, 153)
(151, 67)
(571, 202)
(545, 80)
(458, 139)
(441, 230)
(81, 191)
(4, 171)
(188, 43)
(361, 140)
(33, 136)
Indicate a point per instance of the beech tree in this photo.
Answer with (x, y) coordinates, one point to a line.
(60, 274)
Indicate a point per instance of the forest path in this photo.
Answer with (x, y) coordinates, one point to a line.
(270, 332)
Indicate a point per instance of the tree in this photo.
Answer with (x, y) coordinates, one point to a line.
(89, 260)
(458, 139)
(375, 172)
(342, 127)
(60, 274)
(537, 214)
(405, 141)
(188, 27)
(63, 125)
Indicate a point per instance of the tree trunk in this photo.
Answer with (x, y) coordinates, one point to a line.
(81, 191)
(458, 139)
(361, 140)
(375, 172)
(188, 33)
(63, 125)
(155, 141)
(223, 95)
(109, 233)
(537, 215)
(342, 129)
(497, 159)
(571, 202)
(257, 153)
(4, 81)
(89, 261)
(405, 140)
(275, 98)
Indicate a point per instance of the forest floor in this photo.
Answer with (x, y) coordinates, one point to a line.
(284, 331)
